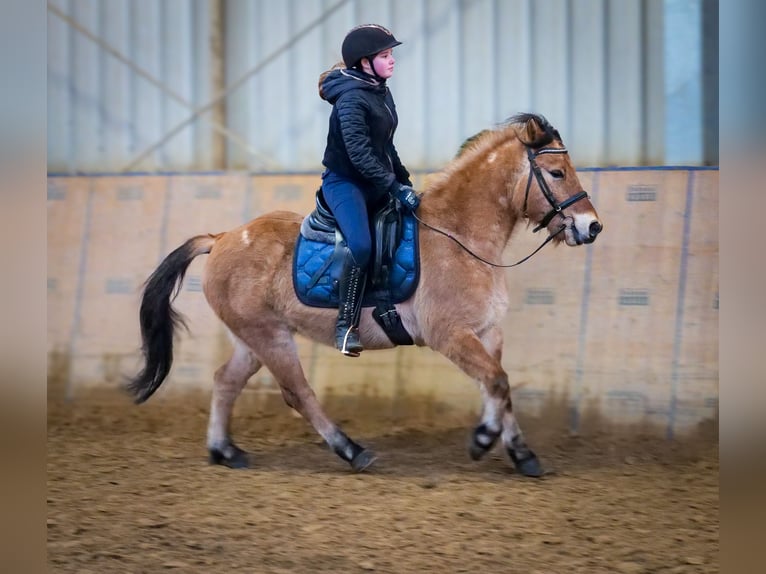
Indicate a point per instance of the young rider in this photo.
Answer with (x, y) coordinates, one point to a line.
(363, 168)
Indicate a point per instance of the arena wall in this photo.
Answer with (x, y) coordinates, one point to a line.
(623, 331)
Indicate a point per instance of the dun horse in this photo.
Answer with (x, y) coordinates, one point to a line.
(516, 172)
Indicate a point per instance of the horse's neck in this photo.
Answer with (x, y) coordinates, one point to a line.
(478, 209)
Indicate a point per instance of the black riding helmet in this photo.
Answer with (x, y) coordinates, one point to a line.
(366, 41)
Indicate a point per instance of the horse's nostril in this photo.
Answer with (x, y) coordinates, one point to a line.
(595, 228)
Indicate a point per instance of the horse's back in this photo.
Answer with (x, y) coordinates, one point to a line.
(250, 263)
(264, 233)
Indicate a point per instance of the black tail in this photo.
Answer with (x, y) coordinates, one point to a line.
(158, 319)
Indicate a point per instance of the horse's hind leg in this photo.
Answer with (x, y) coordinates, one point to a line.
(229, 381)
(275, 346)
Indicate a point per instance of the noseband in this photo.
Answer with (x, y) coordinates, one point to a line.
(556, 207)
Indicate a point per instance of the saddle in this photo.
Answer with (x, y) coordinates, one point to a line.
(392, 274)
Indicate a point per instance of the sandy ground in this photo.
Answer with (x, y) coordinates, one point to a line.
(130, 490)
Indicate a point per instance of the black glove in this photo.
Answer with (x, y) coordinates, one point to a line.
(408, 198)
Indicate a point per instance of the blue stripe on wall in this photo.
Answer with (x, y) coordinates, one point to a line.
(165, 218)
(574, 406)
(82, 273)
(680, 303)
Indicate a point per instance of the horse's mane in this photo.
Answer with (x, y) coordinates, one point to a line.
(482, 142)
(549, 134)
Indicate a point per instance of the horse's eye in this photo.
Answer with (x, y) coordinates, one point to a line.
(557, 173)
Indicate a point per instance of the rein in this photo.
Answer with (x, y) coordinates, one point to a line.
(556, 208)
(479, 257)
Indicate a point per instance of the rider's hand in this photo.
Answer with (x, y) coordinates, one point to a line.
(408, 198)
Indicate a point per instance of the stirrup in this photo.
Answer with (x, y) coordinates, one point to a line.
(353, 347)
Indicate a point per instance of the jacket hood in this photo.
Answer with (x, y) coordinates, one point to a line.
(336, 82)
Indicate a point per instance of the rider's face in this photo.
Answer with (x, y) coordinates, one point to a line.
(384, 63)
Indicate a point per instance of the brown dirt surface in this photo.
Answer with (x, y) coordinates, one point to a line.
(130, 490)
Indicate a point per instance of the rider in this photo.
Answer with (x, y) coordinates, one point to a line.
(363, 168)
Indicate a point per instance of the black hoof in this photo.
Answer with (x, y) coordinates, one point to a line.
(529, 465)
(231, 456)
(476, 451)
(482, 441)
(362, 460)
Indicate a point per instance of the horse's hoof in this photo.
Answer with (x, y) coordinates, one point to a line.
(529, 465)
(476, 451)
(231, 456)
(362, 460)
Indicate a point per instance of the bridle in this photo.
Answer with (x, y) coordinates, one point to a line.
(556, 208)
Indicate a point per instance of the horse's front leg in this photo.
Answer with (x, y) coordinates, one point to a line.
(480, 359)
(522, 456)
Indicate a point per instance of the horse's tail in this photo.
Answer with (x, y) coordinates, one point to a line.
(158, 319)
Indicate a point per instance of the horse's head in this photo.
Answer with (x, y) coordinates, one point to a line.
(552, 195)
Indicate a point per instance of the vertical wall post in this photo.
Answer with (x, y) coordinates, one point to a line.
(217, 80)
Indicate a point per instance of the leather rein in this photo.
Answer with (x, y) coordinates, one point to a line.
(556, 208)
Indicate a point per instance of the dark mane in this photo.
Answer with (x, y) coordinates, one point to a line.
(470, 141)
(549, 135)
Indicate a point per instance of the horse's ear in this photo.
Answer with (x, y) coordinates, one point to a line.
(533, 131)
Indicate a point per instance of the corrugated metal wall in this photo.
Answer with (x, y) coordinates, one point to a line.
(603, 71)
(102, 111)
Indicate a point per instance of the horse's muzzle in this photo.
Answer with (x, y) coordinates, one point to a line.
(582, 228)
(593, 230)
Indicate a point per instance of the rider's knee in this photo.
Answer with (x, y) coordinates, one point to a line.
(361, 250)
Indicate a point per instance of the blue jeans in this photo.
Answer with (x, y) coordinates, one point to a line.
(348, 205)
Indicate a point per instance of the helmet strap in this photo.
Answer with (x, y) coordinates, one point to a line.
(372, 67)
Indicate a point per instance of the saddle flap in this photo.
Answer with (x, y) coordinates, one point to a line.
(388, 232)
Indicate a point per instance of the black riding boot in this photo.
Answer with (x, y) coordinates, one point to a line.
(351, 287)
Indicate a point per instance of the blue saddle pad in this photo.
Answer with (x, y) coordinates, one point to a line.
(316, 271)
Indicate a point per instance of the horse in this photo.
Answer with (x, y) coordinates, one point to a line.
(517, 171)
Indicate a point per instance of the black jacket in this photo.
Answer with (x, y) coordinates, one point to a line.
(360, 144)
